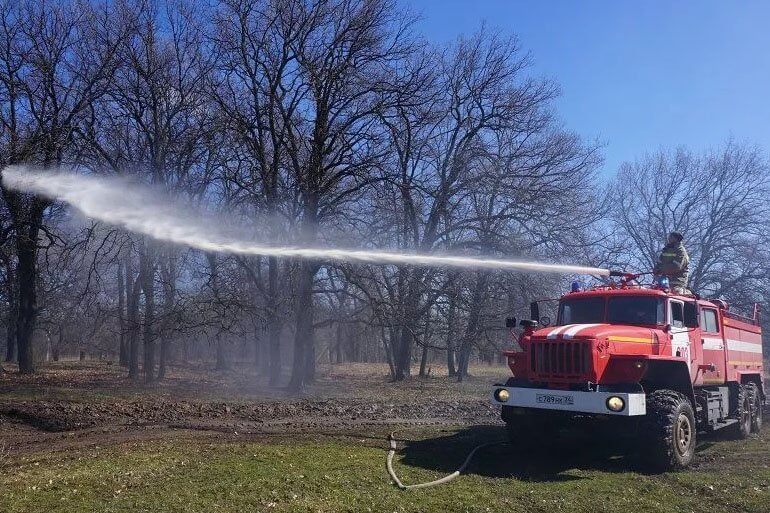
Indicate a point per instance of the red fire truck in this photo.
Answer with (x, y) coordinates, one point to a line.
(668, 365)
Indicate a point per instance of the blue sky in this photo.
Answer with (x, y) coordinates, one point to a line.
(637, 75)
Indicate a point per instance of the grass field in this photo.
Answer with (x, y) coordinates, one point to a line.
(120, 465)
(348, 475)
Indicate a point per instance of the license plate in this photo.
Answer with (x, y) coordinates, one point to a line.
(555, 399)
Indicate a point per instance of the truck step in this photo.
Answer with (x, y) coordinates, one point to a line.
(723, 424)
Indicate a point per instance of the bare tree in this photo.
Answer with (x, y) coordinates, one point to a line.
(259, 91)
(56, 59)
(716, 199)
(154, 122)
(485, 168)
(344, 51)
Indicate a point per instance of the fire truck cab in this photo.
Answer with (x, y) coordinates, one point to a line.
(669, 365)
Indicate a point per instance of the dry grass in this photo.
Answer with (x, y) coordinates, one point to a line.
(95, 380)
(4, 455)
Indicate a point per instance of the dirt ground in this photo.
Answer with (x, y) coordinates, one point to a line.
(73, 403)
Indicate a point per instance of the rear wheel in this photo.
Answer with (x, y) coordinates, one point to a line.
(755, 398)
(743, 413)
(669, 431)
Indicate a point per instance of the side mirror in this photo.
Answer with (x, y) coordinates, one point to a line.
(545, 321)
(510, 322)
(534, 311)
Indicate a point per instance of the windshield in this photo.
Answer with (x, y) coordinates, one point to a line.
(580, 311)
(635, 310)
(620, 310)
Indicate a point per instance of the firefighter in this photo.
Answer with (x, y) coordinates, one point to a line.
(674, 263)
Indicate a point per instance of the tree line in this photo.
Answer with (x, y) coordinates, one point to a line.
(323, 122)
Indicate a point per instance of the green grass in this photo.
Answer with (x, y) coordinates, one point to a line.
(285, 475)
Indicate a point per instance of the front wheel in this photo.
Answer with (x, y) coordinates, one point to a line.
(669, 430)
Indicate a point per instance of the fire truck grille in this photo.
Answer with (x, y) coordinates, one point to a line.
(560, 358)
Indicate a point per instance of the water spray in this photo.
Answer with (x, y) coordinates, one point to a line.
(146, 211)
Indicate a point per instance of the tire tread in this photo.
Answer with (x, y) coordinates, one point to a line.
(663, 408)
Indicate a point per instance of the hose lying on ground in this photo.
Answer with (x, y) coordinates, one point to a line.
(445, 479)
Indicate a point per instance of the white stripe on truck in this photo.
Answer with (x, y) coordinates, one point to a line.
(746, 347)
(554, 332)
(716, 344)
(577, 329)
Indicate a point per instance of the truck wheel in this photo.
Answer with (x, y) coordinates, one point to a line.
(742, 429)
(670, 431)
(755, 399)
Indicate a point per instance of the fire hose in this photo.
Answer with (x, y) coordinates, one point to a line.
(445, 479)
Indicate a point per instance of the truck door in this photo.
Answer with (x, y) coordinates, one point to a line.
(680, 337)
(691, 322)
(712, 342)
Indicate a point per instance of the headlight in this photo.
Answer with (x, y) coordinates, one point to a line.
(501, 395)
(615, 403)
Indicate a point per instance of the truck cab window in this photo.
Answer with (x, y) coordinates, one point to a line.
(576, 311)
(677, 314)
(636, 310)
(708, 320)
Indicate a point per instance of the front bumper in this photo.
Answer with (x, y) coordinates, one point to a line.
(568, 400)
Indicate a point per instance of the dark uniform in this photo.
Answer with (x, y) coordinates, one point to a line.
(674, 263)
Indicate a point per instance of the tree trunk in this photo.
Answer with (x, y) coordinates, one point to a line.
(169, 294)
(337, 350)
(275, 327)
(13, 317)
(423, 360)
(59, 344)
(303, 337)
(274, 324)
(164, 356)
(471, 330)
(26, 272)
(450, 336)
(133, 289)
(147, 275)
(303, 364)
(403, 352)
(261, 354)
(221, 351)
(310, 359)
(123, 355)
(387, 341)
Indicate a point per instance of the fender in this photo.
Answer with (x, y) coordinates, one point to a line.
(670, 374)
(753, 377)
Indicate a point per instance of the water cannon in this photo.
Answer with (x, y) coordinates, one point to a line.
(626, 278)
